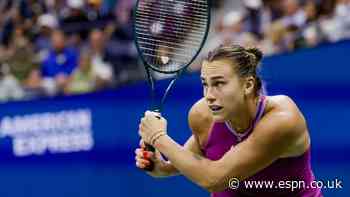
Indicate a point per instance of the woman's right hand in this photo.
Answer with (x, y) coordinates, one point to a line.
(144, 158)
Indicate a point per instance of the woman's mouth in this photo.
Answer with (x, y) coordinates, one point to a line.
(215, 108)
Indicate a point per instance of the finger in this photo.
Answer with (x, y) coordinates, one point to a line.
(142, 144)
(149, 116)
(142, 160)
(144, 122)
(142, 163)
(139, 131)
(137, 151)
(147, 154)
(147, 113)
(158, 115)
(142, 154)
(152, 113)
(139, 165)
(143, 128)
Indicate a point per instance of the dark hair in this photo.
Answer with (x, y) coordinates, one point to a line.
(246, 59)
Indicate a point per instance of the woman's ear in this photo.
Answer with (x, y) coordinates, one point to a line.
(249, 85)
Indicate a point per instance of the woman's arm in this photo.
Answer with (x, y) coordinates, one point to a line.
(196, 117)
(167, 169)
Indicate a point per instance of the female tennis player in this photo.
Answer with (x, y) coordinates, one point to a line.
(237, 134)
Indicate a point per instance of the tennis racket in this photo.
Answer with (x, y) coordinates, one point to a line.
(169, 35)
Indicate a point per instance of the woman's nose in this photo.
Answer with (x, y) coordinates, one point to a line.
(210, 97)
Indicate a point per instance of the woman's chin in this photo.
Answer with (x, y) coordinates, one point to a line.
(218, 117)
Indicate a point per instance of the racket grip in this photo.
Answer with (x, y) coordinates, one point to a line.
(150, 148)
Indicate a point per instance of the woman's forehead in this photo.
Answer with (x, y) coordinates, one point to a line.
(216, 68)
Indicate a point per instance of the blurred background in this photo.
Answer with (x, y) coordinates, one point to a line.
(72, 90)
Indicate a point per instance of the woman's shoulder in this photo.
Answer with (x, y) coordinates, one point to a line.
(199, 117)
(282, 104)
(285, 115)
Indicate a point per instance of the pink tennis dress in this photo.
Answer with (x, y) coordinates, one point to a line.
(223, 137)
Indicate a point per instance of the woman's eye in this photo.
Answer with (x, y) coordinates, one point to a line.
(219, 83)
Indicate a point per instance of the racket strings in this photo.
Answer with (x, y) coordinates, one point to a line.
(195, 38)
(165, 46)
(166, 13)
(170, 32)
(181, 24)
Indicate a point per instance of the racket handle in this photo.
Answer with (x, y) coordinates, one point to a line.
(150, 148)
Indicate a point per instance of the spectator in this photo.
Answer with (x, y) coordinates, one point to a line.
(253, 19)
(75, 21)
(230, 30)
(20, 56)
(46, 24)
(342, 17)
(10, 89)
(102, 68)
(83, 79)
(59, 64)
(293, 14)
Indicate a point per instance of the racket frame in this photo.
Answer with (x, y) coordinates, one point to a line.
(149, 67)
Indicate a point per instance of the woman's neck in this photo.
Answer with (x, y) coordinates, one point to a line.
(244, 119)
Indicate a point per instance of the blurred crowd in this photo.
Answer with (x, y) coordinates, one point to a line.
(279, 26)
(60, 47)
(63, 47)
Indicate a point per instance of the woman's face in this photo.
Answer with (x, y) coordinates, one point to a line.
(222, 88)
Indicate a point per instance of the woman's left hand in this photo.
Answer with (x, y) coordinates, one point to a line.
(151, 125)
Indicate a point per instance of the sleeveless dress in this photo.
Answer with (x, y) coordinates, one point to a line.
(223, 137)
